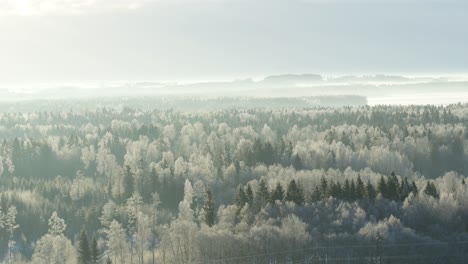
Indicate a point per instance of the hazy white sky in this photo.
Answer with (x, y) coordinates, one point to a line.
(73, 40)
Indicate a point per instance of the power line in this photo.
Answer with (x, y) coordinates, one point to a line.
(340, 247)
(394, 257)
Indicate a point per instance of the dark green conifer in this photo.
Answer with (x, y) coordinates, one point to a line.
(84, 254)
(278, 193)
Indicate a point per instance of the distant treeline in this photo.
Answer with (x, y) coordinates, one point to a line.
(182, 103)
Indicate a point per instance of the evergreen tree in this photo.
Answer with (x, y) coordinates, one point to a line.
(347, 190)
(352, 191)
(324, 187)
(84, 254)
(414, 188)
(360, 188)
(431, 190)
(316, 195)
(295, 193)
(382, 187)
(262, 194)
(241, 197)
(404, 190)
(297, 163)
(392, 187)
(95, 253)
(155, 185)
(335, 190)
(268, 154)
(209, 209)
(249, 194)
(370, 191)
(128, 183)
(278, 193)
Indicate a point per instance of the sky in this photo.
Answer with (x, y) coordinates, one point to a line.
(138, 40)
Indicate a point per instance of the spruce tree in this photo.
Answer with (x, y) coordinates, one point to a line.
(268, 154)
(262, 194)
(404, 190)
(295, 193)
(382, 187)
(241, 197)
(316, 195)
(336, 191)
(370, 191)
(249, 194)
(392, 187)
(155, 185)
(414, 188)
(360, 188)
(347, 190)
(324, 187)
(352, 191)
(128, 183)
(84, 254)
(431, 190)
(209, 209)
(297, 163)
(95, 253)
(278, 193)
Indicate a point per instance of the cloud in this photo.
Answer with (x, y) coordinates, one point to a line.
(43, 7)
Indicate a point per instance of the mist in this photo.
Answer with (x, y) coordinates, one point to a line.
(233, 131)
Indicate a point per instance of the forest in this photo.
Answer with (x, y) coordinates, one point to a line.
(239, 182)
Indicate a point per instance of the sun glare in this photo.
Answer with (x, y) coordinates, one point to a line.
(23, 7)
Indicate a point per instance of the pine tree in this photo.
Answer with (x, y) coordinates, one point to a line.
(95, 253)
(84, 254)
(278, 193)
(209, 209)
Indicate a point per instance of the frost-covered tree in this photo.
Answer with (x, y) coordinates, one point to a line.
(11, 226)
(117, 246)
(54, 247)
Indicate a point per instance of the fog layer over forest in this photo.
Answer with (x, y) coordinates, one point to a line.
(378, 89)
(281, 181)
